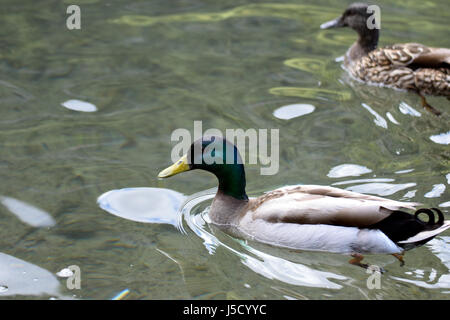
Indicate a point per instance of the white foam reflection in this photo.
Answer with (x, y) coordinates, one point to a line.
(407, 109)
(380, 189)
(27, 213)
(293, 111)
(78, 105)
(410, 194)
(289, 272)
(391, 118)
(379, 120)
(18, 277)
(404, 171)
(439, 246)
(363, 180)
(436, 192)
(197, 222)
(264, 264)
(443, 138)
(445, 204)
(378, 186)
(150, 205)
(346, 170)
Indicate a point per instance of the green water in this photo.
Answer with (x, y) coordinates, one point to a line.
(151, 67)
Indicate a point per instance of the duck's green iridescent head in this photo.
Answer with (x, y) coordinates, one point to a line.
(218, 156)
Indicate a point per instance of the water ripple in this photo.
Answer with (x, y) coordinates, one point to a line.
(78, 105)
(439, 247)
(381, 189)
(262, 263)
(293, 111)
(312, 65)
(345, 170)
(312, 93)
(436, 192)
(379, 120)
(443, 138)
(149, 205)
(19, 277)
(27, 213)
(284, 11)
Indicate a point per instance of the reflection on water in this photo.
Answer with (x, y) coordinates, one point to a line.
(149, 205)
(410, 194)
(293, 273)
(315, 66)
(436, 192)
(18, 277)
(379, 120)
(262, 263)
(27, 213)
(407, 109)
(347, 170)
(293, 111)
(315, 93)
(439, 246)
(287, 11)
(391, 118)
(442, 138)
(381, 189)
(78, 105)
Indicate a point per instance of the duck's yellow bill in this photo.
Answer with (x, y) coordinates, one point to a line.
(179, 166)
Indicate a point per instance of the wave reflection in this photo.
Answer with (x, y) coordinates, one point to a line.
(439, 246)
(267, 265)
(149, 205)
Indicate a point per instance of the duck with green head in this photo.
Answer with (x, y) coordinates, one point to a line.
(410, 66)
(306, 217)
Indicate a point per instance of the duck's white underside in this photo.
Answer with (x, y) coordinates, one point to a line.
(319, 237)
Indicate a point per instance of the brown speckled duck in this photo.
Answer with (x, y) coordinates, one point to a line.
(307, 217)
(410, 66)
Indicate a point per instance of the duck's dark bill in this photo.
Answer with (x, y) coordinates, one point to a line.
(331, 24)
(179, 166)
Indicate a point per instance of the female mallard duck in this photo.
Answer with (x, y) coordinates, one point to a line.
(409, 66)
(307, 217)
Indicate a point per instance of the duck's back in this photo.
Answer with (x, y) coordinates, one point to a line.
(408, 66)
(312, 204)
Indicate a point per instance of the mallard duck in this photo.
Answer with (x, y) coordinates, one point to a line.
(306, 217)
(410, 66)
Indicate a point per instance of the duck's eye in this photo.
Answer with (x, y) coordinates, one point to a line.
(179, 162)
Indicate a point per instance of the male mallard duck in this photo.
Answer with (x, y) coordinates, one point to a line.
(409, 66)
(307, 217)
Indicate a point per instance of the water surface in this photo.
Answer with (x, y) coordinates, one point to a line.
(86, 112)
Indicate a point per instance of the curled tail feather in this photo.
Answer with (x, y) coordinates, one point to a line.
(409, 231)
(430, 214)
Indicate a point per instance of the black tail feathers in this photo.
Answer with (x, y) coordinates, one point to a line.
(400, 226)
(431, 222)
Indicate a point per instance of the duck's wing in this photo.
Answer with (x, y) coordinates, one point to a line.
(415, 55)
(311, 204)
